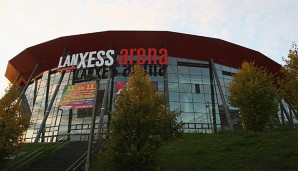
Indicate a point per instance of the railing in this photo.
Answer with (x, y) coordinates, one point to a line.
(24, 160)
(80, 161)
(59, 146)
(199, 127)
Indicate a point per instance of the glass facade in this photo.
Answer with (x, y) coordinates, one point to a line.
(191, 87)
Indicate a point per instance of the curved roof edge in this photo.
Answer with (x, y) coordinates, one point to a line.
(181, 45)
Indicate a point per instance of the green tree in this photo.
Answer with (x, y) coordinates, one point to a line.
(252, 91)
(13, 122)
(139, 125)
(288, 84)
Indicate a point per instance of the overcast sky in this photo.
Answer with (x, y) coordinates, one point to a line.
(267, 26)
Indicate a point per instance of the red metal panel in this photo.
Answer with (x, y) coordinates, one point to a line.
(47, 54)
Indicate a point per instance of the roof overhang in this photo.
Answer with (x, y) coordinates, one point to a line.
(47, 54)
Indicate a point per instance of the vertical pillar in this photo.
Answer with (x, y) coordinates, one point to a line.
(111, 95)
(286, 113)
(28, 82)
(47, 112)
(166, 87)
(212, 96)
(34, 93)
(103, 106)
(18, 77)
(74, 72)
(226, 108)
(90, 139)
(282, 115)
(46, 102)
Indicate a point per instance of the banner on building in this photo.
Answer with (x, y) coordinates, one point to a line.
(78, 96)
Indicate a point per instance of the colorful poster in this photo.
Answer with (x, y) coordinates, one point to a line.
(78, 96)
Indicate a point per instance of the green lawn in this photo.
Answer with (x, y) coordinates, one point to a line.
(269, 150)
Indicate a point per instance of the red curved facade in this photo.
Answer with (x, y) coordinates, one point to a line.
(180, 45)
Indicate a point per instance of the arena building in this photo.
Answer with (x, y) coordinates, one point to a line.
(58, 79)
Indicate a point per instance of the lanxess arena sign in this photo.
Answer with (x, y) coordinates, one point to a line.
(100, 58)
(99, 62)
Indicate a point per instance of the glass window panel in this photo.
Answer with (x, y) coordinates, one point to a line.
(196, 79)
(198, 98)
(186, 107)
(172, 61)
(200, 107)
(183, 70)
(173, 86)
(172, 78)
(172, 69)
(207, 88)
(185, 97)
(174, 96)
(174, 106)
(186, 88)
(195, 71)
(205, 71)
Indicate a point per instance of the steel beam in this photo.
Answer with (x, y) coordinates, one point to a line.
(103, 106)
(226, 108)
(49, 108)
(27, 84)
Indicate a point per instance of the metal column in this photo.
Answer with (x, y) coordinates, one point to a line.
(103, 106)
(212, 97)
(87, 164)
(18, 77)
(166, 88)
(290, 120)
(226, 108)
(49, 108)
(28, 82)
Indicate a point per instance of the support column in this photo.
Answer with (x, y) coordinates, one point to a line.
(166, 87)
(49, 108)
(28, 82)
(90, 139)
(111, 95)
(103, 106)
(46, 102)
(226, 108)
(34, 93)
(18, 77)
(212, 97)
(282, 115)
(286, 113)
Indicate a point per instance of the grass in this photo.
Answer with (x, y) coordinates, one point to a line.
(28, 148)
(245, 151)
(269, 150)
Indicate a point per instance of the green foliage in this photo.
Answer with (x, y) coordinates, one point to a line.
(13, 122)
(253, 92)
(288, 84)
(270, 150)
(139, 125)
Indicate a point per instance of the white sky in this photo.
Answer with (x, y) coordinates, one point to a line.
(268, 26)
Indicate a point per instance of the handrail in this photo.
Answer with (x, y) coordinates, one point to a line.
(75, 168)
(60, 146)
(29, 160)
(77, 161)
(25, 158)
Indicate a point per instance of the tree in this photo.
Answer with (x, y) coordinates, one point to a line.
(13, 122)
(139, 125)
(288, 84)
(252, 91)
